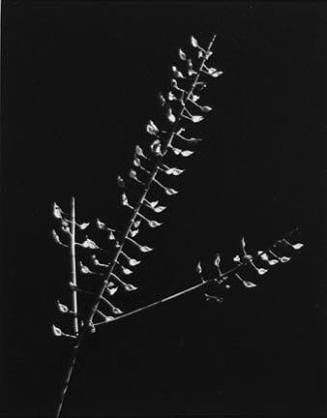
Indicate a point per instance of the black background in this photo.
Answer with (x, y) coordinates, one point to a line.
(79, 83)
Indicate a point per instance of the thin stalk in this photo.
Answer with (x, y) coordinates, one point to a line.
(73, 264)
(99, 294)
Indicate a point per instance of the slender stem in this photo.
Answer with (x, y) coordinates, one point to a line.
(171, 297)
(73, 264)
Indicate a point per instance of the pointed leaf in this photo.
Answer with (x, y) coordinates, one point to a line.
(174, 171)
(139, 152)
(162, 99)
(194, 42)
(133, 262)
(84, 225)
(199, 268)
(100, 225)
(197, 118)
(152, 129)
(145, 249)
(121, 182)
(186, 153)
(62, 308)
(182, 55)
(57, 212)
(159, 209)
(88, 243)
(154, 224)
(170, 191)
(129, 287)
(56, 331)
(125, 270)
(170, 116)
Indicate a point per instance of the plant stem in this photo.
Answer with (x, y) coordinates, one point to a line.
(73, 264)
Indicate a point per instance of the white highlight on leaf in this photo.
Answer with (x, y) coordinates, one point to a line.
(139, 152)
(154, 224)
(187, 153)
(125, 270)
(194, 42)
(84, 269)
(88, 243)
(170, 116)
(57, 212)
(84, 225)
(112, 290)
(174, 171)
(182, 55)
(100, 225)
(152, 129)
(237, 259)
(156, 147)
(176, 72)
(121, 182)
(245, 283)
(62, 308)
(56, 331)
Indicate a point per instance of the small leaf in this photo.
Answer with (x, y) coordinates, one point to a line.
(145, 249)
(133, 233)
(171, 96)
(152, 129)
(194, 42)
(139, 152)
(156, 147)
(56, 237)
(182, 55)
(206, 109)
(84, 225)
(176, 72)
(88, 243)
(170, 116)
(117, 311)
(112, 290)
(237, 259)
(197, 118)
(84, 269)
(262, 271)
(159, 209)
(111, 236)
(297, 246)
(162, 99)
(133, 262)
(129, 287)
(121, 182)
(56, 331)
(284, 259)
(125, 270)
(62, 308)
(57, 212)
(217, 260)
(216, 73)
(170, 191)
(100, 225)
(199, 268)
(154, 224)
(137, 223)
(174, 171)
(249, 284)
(124, 199)
(186, 153)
